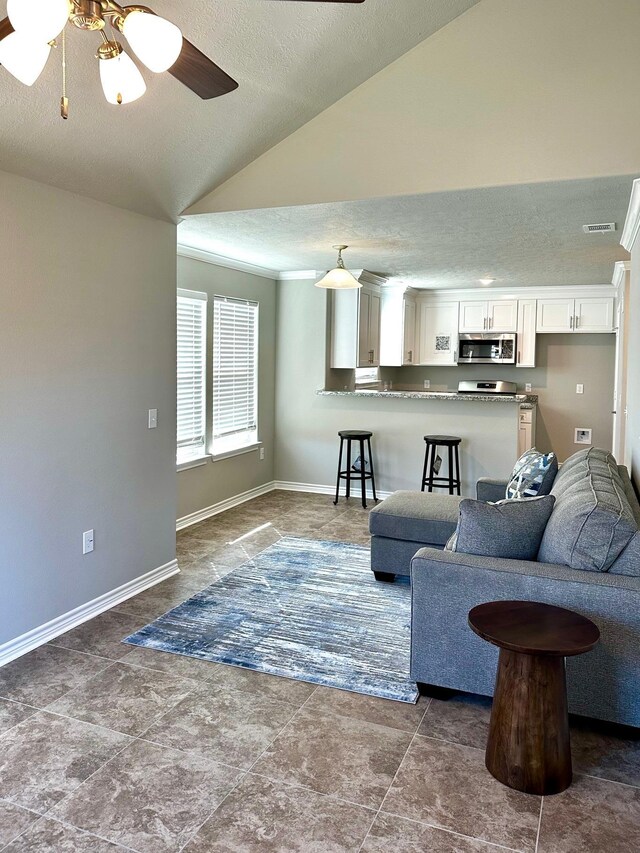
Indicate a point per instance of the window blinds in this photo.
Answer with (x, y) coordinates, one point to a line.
(235, 372)
(192, 335)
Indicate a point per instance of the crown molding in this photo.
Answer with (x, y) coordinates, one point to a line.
(299, 275)
(632, 222)
(542, 292)
(619, 269)
(223, 261)
(367, 277)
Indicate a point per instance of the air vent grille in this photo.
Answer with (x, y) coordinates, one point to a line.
(599, 228)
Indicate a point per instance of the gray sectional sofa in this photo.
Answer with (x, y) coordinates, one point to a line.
(589, 561)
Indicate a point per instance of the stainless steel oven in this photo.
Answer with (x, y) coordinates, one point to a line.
(487, 348)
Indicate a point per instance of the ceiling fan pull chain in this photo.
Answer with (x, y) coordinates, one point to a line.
(64, 101)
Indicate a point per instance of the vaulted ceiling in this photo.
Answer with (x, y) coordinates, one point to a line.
(160, 154)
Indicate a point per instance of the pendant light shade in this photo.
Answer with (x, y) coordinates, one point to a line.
(23, 57)
(339, 278)
(42, 20)
(120, 78)
(155, 41)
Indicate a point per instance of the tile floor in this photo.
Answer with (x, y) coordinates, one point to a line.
(106, 747)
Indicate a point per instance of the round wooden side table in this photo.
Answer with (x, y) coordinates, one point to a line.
(528, 746)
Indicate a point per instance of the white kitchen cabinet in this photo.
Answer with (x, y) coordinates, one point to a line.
(594, 314)
(526, 430)
(526, 333)
(397, 328)
(492, 315)
(585, 314)
(438, 332)
(355, 328)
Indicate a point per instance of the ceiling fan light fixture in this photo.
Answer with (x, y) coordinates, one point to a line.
(23, 57)
(121, 80)
(41, 20)
(339, 278)
(154, 40)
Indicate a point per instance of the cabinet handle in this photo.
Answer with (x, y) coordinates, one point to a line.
(490, 321)
(484, 323)
(571, 321)
(577, 322)
(410, 356)
(518, 356)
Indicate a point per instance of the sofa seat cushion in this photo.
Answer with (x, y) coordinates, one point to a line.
(423, 517)
(592, 521)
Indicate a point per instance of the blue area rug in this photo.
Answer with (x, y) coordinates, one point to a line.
(303, 609)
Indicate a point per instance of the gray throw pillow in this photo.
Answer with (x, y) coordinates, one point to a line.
(508, 528)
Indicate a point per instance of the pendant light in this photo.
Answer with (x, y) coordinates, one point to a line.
(42, 20)
(23, 57)
(339, 278)
(154, 40)
(120, 78)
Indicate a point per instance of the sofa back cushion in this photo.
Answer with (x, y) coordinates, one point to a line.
(628, 563)
(592, 521)
(508, 528)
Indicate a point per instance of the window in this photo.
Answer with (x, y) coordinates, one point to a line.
(191, 357)
(235, 374)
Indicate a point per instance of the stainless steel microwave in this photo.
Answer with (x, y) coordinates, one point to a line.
(487, 348)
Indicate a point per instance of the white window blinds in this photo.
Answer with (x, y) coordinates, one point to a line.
(235, 373)
(192, 335)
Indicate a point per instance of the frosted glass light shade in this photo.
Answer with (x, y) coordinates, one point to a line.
(154, 40)
(121, 80)
(42, 20)
(338, 279)
(23, 57)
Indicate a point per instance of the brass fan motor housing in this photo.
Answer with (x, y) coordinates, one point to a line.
(87, 15)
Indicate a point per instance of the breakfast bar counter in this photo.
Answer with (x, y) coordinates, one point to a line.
(522, 399)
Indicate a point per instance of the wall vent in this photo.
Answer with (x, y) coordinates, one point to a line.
(599, 228)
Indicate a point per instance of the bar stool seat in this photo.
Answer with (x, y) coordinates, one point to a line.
(348, 474)
(429, 473)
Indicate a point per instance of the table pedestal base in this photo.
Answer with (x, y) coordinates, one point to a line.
(528, 747)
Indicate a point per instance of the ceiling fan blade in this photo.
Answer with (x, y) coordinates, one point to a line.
(200, 74)
(5, 28)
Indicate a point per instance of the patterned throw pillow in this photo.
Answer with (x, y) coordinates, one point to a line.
(533, 475)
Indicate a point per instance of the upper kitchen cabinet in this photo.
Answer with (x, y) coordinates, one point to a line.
(584, 314)
(398, 328)
(526, 333)
(355, 327)
(438, 332)
(499, 315)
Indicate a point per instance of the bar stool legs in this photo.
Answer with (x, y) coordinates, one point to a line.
(430, 477)
(347, 474)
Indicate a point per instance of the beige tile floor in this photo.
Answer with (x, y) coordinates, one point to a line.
(105, 747)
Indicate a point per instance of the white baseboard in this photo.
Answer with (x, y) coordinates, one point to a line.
(61, 624)
(318, 489)
(221, 506)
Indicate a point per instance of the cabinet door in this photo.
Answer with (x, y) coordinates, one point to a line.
(473, 317)
(364, 354)
(438, 333)
(526, 341)
(594, 314)
(502, 315)
(409, 332)
(555, 315)
(374, 329)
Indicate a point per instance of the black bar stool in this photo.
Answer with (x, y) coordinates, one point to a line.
(430, 480)
(348, 473)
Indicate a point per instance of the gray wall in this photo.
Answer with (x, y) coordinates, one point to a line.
(307, 441)
(206, 485)
(87, 345)
(632, 435)
(562, 362)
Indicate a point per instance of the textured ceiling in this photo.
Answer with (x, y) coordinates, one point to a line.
(524, 235)
(160, 154)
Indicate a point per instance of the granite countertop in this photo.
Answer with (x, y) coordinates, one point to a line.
(529, 400)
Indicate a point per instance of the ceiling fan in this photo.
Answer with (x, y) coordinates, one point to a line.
(33, 27)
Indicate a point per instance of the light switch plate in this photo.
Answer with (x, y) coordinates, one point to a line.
(527, 387)
(87, 542)
(153, 418)
(579, 388)
(427, 384)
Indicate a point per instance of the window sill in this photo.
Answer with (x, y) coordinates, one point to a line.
(238, 451)
(192, 463)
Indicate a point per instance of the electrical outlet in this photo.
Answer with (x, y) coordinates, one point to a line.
(262, 454)
(427, 384)
(87, 542)
(579, 388)
(527, 387)
(153, 418)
